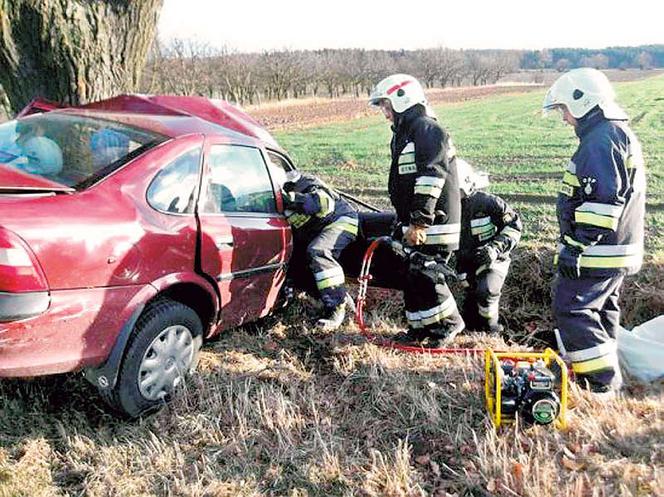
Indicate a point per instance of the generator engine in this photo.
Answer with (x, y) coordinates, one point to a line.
(527, 390)
(525, 386)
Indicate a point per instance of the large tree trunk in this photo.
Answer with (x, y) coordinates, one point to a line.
(73, 51)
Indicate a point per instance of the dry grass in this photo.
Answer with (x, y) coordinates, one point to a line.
(280, 410)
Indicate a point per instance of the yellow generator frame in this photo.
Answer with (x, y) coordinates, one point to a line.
(493, 372)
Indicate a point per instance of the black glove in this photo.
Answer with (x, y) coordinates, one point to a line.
(397, 232)
(569, 262)
(485, 256)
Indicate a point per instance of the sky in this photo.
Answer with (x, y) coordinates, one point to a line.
(255, 26)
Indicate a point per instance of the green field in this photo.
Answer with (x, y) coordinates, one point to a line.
(506, 136)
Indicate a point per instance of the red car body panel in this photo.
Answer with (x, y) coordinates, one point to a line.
(14, 179)
(105, 251)
(77, 331)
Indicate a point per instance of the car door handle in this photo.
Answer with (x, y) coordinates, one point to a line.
(224, 242)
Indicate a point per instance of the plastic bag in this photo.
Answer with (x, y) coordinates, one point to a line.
(641, 351)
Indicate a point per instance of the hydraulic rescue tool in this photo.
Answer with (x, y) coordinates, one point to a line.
(530, 386)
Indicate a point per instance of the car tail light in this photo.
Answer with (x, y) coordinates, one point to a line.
(19, 269)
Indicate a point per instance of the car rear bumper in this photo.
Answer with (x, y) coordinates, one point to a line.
(78, 330)
(16, 306)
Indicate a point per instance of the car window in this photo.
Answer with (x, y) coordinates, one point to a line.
(282, 166)
(173, 189)
(238, 181)
(70, 149)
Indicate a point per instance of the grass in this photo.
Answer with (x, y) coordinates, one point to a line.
(279, 409)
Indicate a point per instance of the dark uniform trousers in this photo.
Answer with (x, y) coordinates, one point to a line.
(588, 316)
(324, 251)
(430, 305)
(482, 301)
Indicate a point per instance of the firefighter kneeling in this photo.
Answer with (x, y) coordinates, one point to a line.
(325, 224)
(490, 229)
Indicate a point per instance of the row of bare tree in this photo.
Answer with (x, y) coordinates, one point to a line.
(189, 68)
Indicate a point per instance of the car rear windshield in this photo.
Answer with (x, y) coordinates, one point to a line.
(72, 150)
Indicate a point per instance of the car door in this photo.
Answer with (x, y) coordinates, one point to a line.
(245, 242)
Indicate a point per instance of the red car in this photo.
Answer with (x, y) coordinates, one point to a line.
(131, 230)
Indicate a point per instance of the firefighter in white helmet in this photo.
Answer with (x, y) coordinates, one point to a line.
(600, 208)
(490, 230)
(424, 190)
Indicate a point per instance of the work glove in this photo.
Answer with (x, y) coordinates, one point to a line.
(569, 262)
(485, 256)
(415, 235)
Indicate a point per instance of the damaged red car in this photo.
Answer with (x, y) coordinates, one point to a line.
(131, 230)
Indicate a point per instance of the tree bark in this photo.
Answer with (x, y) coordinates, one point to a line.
(73, 51)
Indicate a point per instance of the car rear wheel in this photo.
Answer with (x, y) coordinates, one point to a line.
(163, 348)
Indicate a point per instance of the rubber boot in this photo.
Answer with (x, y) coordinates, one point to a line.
(332, 319)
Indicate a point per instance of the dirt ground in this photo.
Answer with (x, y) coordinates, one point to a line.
(304, 113)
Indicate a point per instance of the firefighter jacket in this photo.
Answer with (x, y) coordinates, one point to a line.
(310, 206)
(487, 219)
(601, 204)
(423, 183)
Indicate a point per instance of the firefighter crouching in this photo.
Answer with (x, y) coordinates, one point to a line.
(490, 229)
(325, 224)
(600, 209)
(424, 191)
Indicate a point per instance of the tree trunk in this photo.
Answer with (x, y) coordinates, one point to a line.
(73, 51)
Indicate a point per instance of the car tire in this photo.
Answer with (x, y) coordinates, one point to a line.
(163, 348)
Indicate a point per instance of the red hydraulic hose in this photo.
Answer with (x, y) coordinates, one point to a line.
(364, 279)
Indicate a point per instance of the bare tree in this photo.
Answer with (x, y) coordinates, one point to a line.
(280, 70)
(73, 51)
(502, 63)
(233, 76)
(598, 61)
(562, 65)
(479, 68)
(428, 66)
(331, 71)
(183, 68)
(451, 66)
(644, 60)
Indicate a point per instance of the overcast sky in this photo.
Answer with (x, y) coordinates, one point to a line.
(250, 25)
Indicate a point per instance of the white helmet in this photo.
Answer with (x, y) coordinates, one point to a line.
(44, 156)
(469, 179)
(403, 92)
(581, 90)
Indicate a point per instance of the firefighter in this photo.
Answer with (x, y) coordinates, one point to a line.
(490, 229)
(600, 209)
(325, 224)
(424, 190)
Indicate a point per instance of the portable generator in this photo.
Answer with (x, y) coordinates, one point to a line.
(531, 386)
